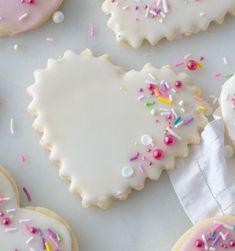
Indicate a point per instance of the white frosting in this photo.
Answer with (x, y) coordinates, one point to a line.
(171, 20)
(15, 237)
(227, 104)
(94, 119)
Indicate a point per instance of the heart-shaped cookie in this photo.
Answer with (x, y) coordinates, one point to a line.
(17, 16)
(211, 234)
(108, 129)
(30, 228)
(227, 107)
(134, 21)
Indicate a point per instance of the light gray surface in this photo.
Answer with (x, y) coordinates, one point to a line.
(149, 220)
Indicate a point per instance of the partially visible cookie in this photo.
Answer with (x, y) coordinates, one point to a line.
(17, 16)
(227, 108)
(135, 21)
(109, 129)
(33, 228)
(214, 234)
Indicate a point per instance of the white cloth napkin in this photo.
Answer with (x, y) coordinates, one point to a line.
(205, 181)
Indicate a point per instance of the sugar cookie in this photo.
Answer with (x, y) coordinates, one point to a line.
(227, 108)
(109, 129)
(211, 234)
(134, 21)
(17, 16)
(30, 228)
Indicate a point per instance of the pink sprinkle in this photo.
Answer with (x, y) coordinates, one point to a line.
(22, 158)
(180, 63)
(141, 169)
(92, 31)
(26, 192)
(217, 75)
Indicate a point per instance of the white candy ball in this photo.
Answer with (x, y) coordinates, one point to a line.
(228, 151)
(58, 17)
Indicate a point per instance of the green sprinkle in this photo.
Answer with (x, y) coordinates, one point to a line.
(58, 237)
(213, 234)
(228, 75)
(233, 228)
(149, 103)
(176, 120)
(121, 87)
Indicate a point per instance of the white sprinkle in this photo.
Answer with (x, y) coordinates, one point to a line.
(202, 14)
(5, 199)
(24, 220)
(151, 76)
(23, 16)
(187, 56)
(29, 240)
(50, 39)
(205, 241)
(223, 236)
(182, 110)
(225, 60)
(174, 112)
(12, 126)
(141, 97)
(165, 6)
(173, 133)
(179, 124)
(10, 229)
(170, 97)
(181, 102)
(10, 210)
(173, 90)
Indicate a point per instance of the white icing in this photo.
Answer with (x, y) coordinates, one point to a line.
(181, 17)
(14, 236)
(93, 127)
(228, 107)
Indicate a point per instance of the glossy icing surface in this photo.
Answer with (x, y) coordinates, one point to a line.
(227, 105)
(106, 129)
(134, 21)
(215, 235)
(17, 16)
(28, 229)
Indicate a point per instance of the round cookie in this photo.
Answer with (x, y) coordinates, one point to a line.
(135, 21)
(214, 234)
(30, 228)
(227, 108)
(17, 16)
(109, 129)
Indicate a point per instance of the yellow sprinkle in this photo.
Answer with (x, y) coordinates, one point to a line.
(121, 87)
(200, 109)
(135, 143)
(200, 65)
(164, 100)
(48, 246)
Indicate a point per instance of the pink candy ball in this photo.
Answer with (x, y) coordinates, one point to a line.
(6, 221)
(178, 84)
(158, 154)
(192, 65)
(199, 243)
(169, 140)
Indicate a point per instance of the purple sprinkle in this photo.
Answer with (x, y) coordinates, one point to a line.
(188, 120)
(27, 194)
(216, 240)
